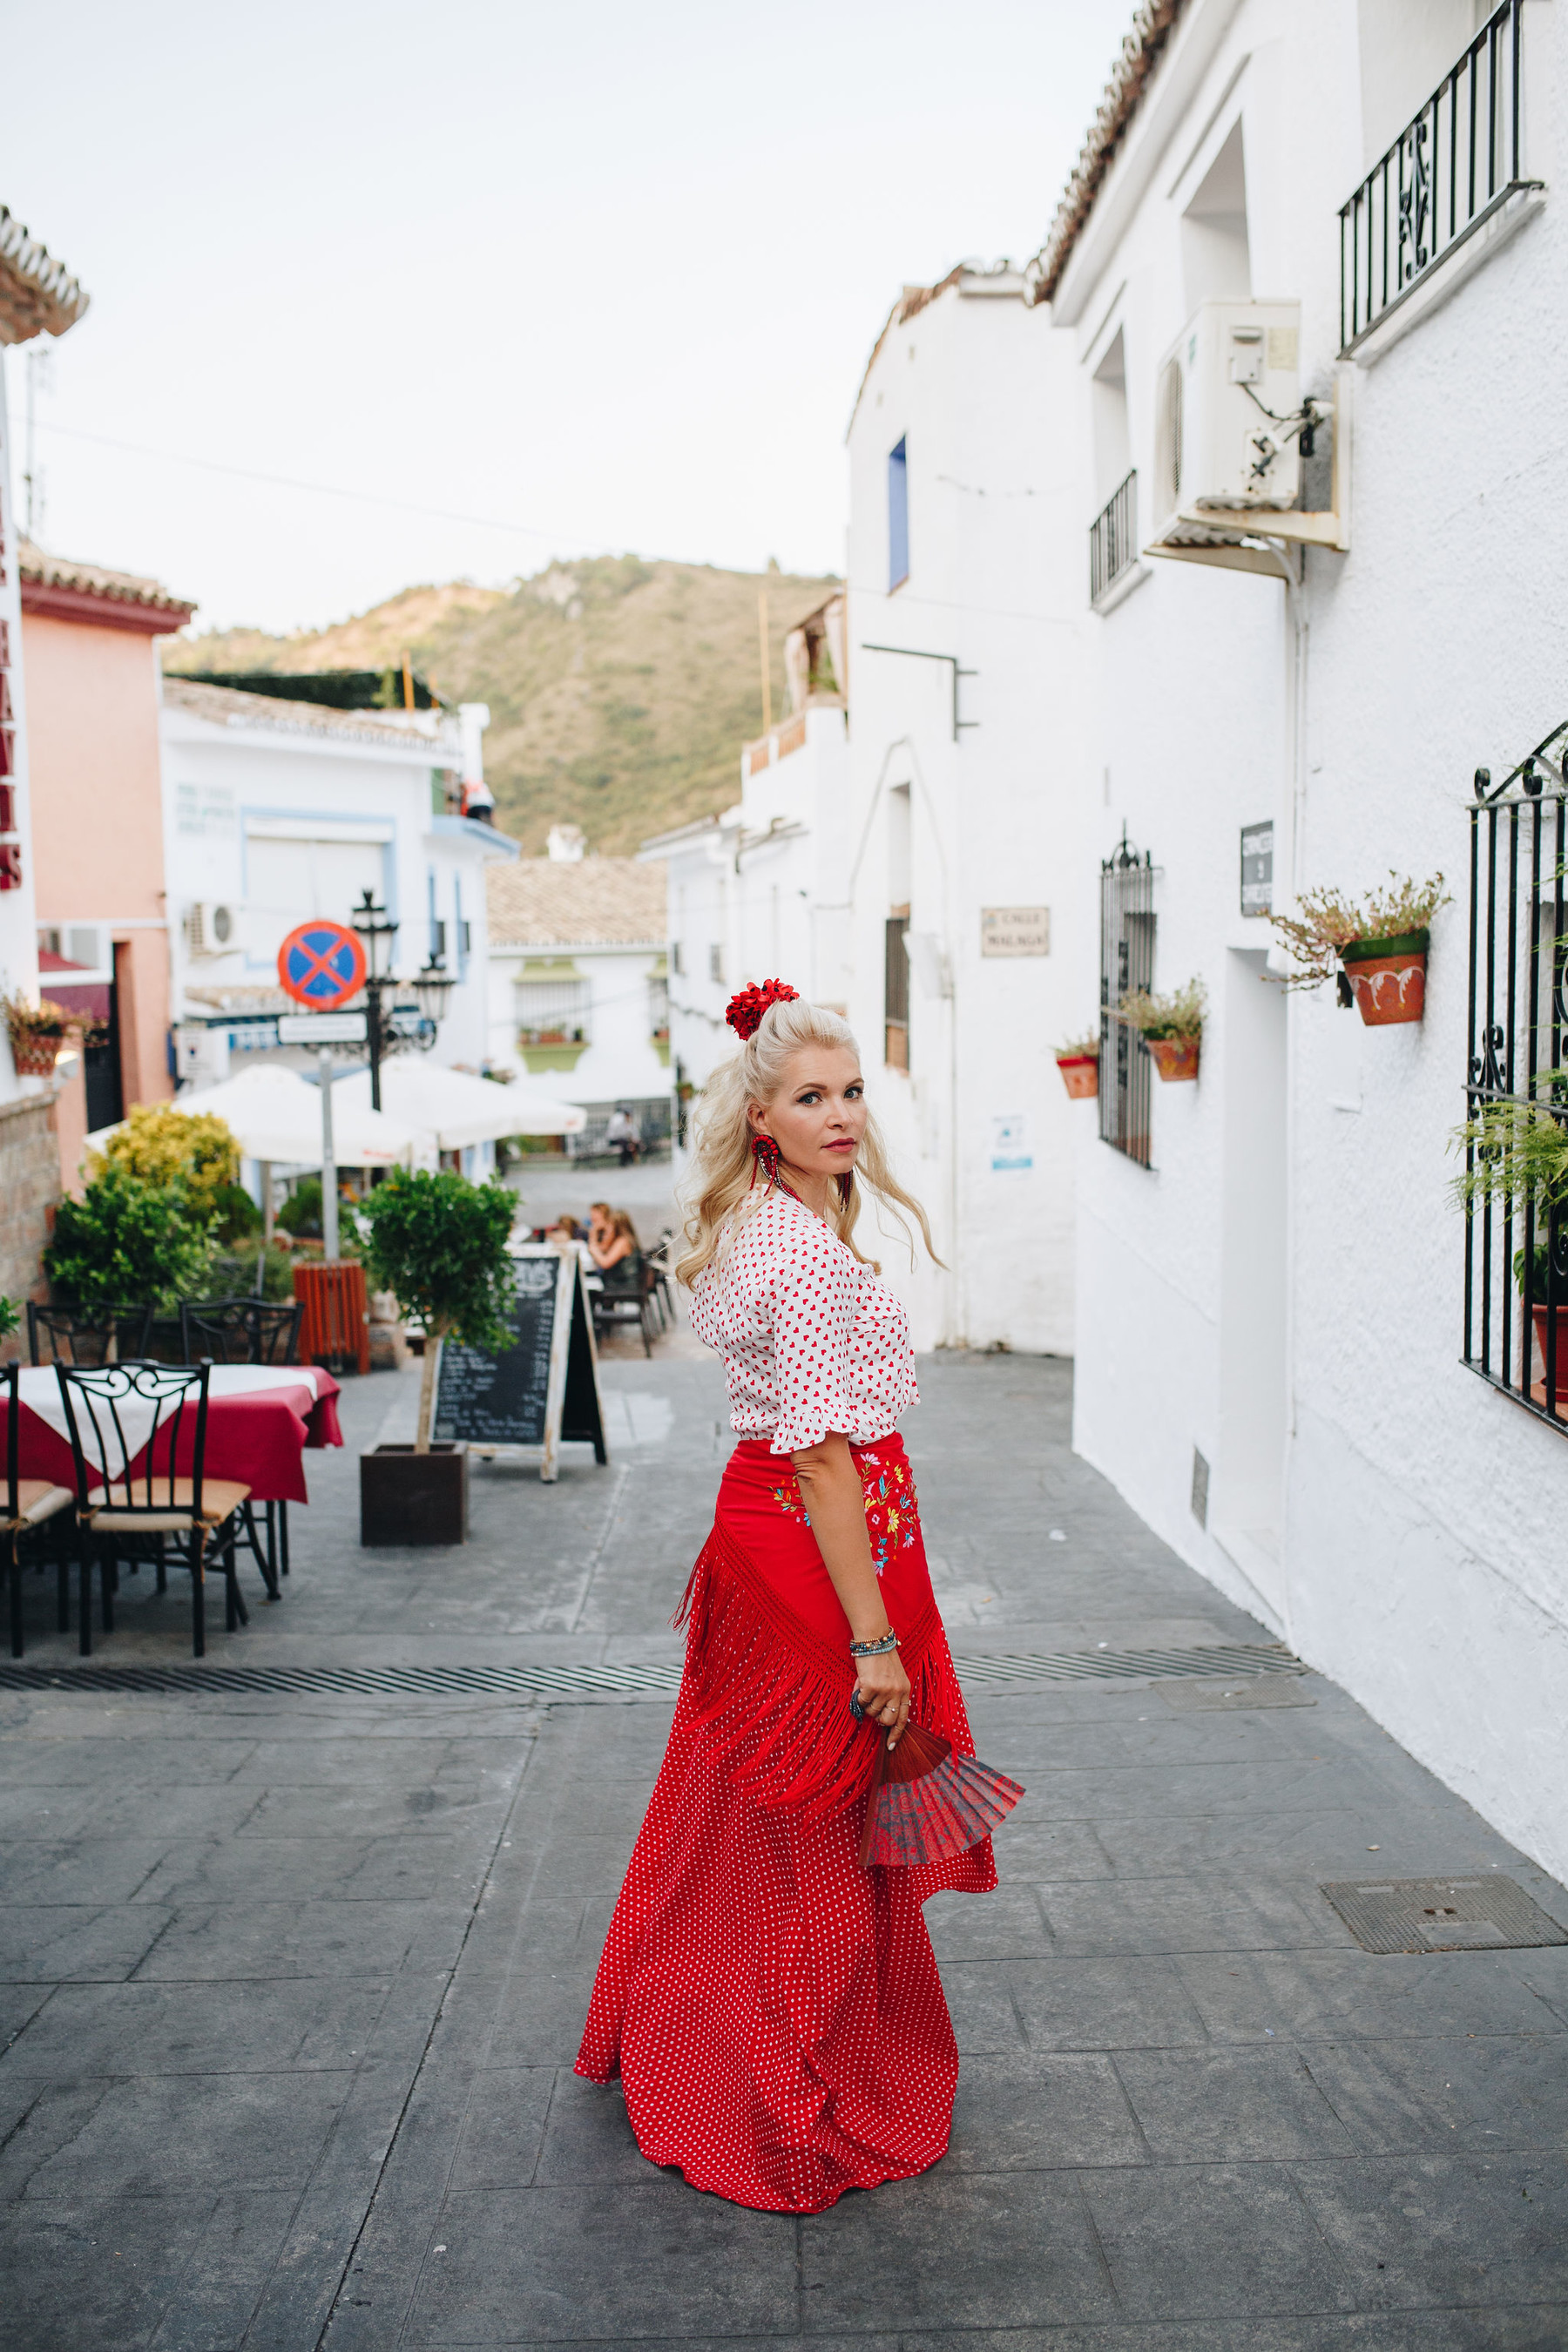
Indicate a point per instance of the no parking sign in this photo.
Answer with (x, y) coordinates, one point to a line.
(321, 964)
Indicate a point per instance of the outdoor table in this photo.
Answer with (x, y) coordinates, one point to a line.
(260, 1419)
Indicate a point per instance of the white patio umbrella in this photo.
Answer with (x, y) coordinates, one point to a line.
(275, 1115)
(452, 1108)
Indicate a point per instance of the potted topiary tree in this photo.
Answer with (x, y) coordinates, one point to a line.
(1078, 1062)
(1379, 942)
(1171, 1026)
(438, 1243)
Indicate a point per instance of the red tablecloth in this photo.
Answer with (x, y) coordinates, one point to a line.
(257, 1439)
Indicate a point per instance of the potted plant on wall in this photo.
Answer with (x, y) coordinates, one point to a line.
(1078, 1062)
(1171, 1026)
(438, 1243)
(1377, 946)
(37, 1032)
(1517, 1154)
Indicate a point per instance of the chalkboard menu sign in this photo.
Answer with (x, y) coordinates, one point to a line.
(542, 1389)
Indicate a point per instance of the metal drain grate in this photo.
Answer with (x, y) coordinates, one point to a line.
(1442, 1914)
(659, 1679)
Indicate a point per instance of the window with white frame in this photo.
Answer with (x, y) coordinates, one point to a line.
(554, 1012)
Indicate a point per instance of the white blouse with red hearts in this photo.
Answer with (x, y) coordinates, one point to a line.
(813, 1341)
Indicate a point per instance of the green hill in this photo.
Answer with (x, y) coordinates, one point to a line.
(620, 691)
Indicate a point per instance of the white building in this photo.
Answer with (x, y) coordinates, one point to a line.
(760, 892)
(1272, 1321)
(278, 811)
(964, 802)
(579, 983)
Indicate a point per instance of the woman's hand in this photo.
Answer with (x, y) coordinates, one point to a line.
(883, 1689)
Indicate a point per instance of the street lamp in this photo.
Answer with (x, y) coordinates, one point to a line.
(433, 986)
(370, 921)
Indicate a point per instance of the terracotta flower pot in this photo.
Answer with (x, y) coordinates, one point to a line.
(1080, 1075)
(34, 1054)
(1174, 1058)
(1555, 1396)
(1389, 976)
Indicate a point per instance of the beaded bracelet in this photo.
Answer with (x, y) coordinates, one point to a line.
(877, 1649)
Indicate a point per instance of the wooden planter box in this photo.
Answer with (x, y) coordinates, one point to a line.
(414, 1498)
(336, 1321)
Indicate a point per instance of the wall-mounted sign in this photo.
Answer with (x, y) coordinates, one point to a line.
(1257, 868)
(321, 964)
(1010, 1153)
(321, 1028)
(1014, 930)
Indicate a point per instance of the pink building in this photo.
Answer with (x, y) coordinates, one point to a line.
(91, 666)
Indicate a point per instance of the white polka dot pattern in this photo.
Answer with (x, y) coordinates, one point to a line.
(811, 1341)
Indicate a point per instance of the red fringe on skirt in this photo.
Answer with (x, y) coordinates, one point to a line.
(774, 2011)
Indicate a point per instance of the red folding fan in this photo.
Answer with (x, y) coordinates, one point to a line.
(926, 1803)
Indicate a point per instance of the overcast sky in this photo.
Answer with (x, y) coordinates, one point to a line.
(604, 275)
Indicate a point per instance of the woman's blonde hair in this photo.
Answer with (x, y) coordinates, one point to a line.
(724, 1184)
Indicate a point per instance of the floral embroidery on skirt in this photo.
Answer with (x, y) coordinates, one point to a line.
(888, 1492)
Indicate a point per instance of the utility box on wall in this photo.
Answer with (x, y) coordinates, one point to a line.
(1233, 370)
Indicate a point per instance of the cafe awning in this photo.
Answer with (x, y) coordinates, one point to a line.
(451, 1108)
(275, 1115)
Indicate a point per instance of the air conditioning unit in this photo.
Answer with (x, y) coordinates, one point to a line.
(212, 928)
(1228, 397)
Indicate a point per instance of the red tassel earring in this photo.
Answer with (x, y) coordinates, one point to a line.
(765, 1153)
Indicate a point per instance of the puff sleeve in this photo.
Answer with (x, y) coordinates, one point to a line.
(813, 1294)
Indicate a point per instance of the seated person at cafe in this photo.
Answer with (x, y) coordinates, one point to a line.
(614, 1239)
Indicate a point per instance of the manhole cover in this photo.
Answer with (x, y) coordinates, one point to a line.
(1442, 1914)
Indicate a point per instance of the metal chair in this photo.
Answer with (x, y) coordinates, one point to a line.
(118, 1415)
(659, 1259)
(624, 1297)
(249, 1331)
(32, 1527)
(114, 1335)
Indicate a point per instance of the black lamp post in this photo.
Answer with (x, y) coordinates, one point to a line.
(370, 921)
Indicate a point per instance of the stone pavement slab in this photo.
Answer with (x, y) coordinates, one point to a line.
(292, 1983)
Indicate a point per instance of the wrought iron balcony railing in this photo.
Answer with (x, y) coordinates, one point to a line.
(1443, 177)
(1516, 1085)
(1113, 538)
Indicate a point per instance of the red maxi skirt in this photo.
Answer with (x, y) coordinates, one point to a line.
(774, 2011)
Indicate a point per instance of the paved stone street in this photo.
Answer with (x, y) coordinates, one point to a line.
(293, 1982)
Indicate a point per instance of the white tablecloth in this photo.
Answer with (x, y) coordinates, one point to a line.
(39, 1390)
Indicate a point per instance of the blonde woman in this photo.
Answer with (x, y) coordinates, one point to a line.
(773, 2008)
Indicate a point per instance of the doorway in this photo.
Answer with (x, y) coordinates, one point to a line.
(100, 1072)
(1249, 1472)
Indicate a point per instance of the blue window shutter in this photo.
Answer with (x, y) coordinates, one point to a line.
(898, 516)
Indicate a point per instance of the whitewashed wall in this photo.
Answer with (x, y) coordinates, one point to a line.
(284, 823)
(969, 384)
(1282, 1291)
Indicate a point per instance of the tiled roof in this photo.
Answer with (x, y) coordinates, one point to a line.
(1153, 24)
(60, 571)
(970, 275)
(39, 296)
(225, 706)
(545, 902)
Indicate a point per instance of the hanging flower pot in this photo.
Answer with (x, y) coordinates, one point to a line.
(1174, 1058)
(33, 1055)
(1388, 976)
(1080, 1075)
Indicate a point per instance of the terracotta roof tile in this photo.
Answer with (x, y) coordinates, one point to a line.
(39, 296)
(545, 902)
(1152, 25)
(44, 570)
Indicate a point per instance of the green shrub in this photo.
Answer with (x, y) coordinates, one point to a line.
(438, 1243)
(302, 1212)
(126, 1242)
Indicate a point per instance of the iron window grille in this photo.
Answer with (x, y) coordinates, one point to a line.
(1516, 1248)
(1444, 175)
(1126, 967)
(1112, 538)
(896, 991)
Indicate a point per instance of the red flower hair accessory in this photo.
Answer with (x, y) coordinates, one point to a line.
(745, 1009)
